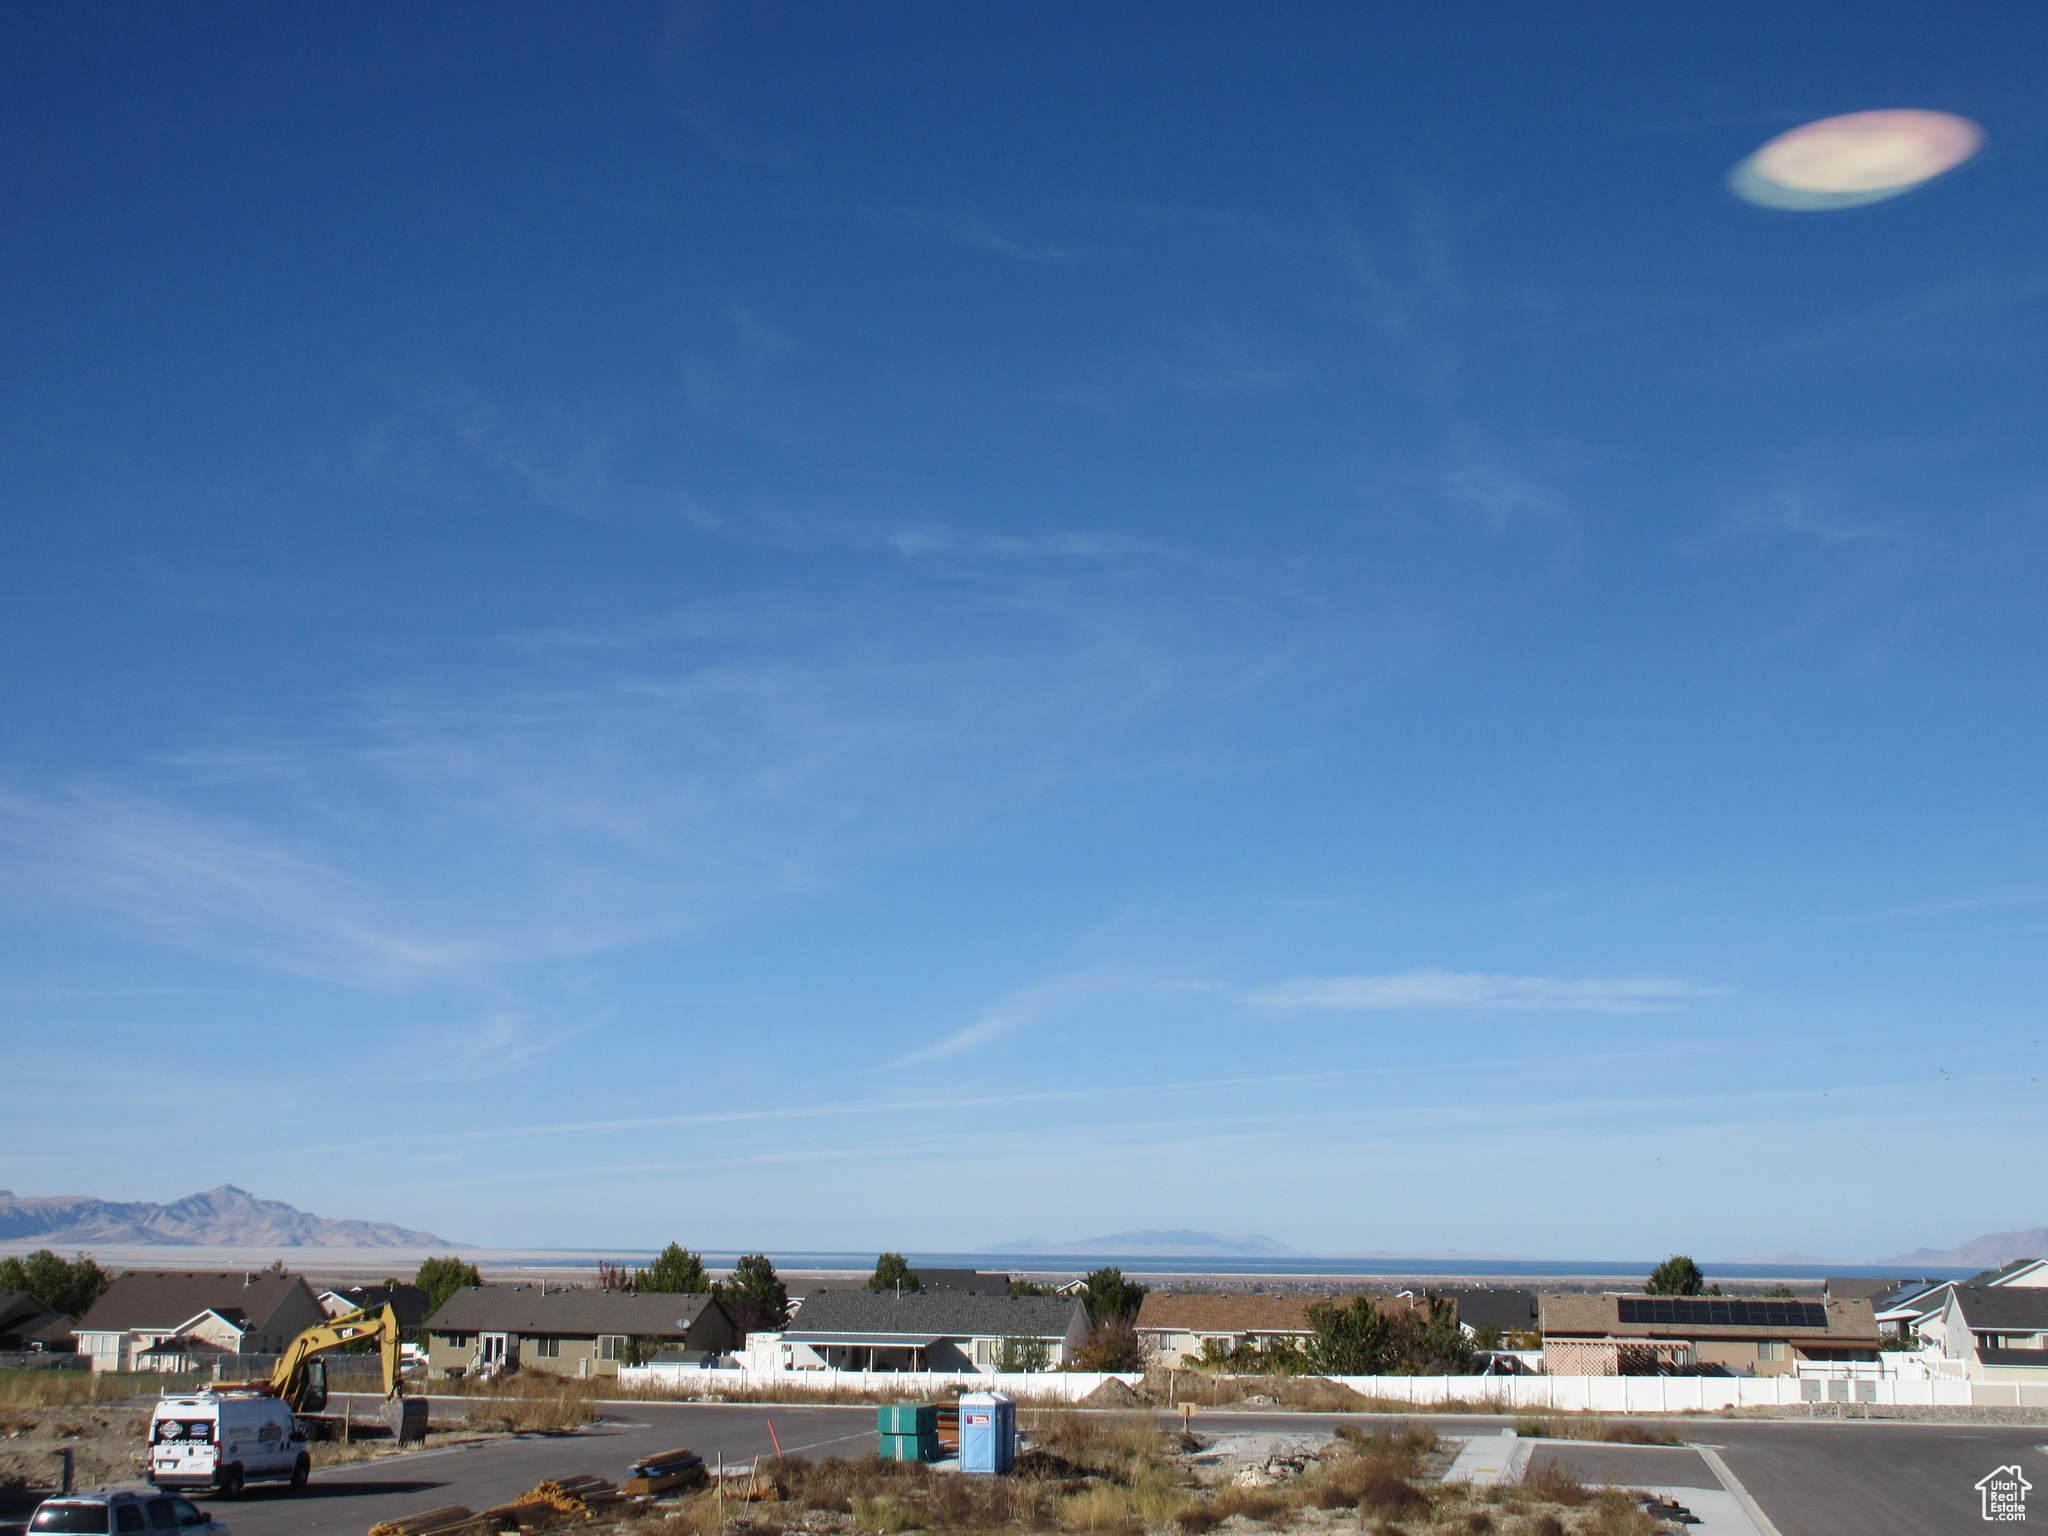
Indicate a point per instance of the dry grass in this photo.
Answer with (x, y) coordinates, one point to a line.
(1592, 1426)
(61, 1389)
(1547, 1485)
(1122, 1446)
(1305, 1394)
(537, 1414)
(1616, 1513)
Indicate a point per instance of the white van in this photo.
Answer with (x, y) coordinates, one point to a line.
(224, 1440)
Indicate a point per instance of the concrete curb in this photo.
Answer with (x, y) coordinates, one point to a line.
(1740, 1494)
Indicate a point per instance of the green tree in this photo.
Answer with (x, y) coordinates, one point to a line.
(893, 1273)
(1357, 1340)
(1676, 1276)
(675, 1272)
(1110, 1298)
(1784, 1291)
(754, 1298)
(68, 1288)
(1024, 1355)
(1032, 1288)
(443, 1277)
(1443, 1344)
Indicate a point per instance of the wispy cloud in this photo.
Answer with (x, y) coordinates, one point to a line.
(1032, 1005)
(1435, 989)
(216, 885)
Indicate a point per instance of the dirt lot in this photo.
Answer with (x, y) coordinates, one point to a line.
(1124, 1478)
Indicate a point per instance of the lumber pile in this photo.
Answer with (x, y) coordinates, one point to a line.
(670, 1469)
(582, 1494)
(449, 1520)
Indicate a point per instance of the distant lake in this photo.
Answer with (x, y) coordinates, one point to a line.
(1446, 1269)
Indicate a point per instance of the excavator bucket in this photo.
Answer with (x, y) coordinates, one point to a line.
(406, 1417)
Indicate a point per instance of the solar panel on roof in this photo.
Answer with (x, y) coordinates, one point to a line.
(1722, 1312)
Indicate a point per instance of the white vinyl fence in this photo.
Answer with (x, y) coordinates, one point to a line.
(1507, 1394)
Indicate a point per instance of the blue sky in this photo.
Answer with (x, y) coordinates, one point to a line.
(825, 628)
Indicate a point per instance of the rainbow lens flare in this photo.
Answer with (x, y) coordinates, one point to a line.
(1860, 157)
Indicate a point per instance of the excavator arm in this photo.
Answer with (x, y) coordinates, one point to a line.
(294, 1380)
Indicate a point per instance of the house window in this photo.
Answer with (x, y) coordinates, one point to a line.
(457, 1340)
(548, 1347)
(984, 1351)
(1774, 1350)
(611, 1346)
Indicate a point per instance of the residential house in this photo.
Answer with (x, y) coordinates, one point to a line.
(1182, 1328)
(410, 1302)
(27, 1326)
(977, 1282)
(1508, 1309)
(1176, 1327)
(568, 1332)
(1998, 1332)
(1864, 1287)
(256, 1313)
(924, 1331)
(2030, 1274)
(1609, 1335)
(1911, 1309)
(1920, 1308)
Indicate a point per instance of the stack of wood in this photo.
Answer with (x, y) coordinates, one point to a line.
(450, 1520)
(749, 1484)
(582, 1494)
(669, 1470)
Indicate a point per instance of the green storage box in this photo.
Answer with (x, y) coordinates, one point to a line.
(908, 1447)
(908, 1419)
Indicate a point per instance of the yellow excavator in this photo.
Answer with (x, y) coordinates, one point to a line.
(300, 1377)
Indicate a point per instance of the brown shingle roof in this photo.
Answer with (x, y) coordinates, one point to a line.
(1184, 1312)
(524, 1309)
(1225, 1314)
(1599, 1317)
(170, 1299)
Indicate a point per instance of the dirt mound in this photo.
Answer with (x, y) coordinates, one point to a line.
(1112, 1394)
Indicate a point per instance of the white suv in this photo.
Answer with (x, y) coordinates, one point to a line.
(114, 1514)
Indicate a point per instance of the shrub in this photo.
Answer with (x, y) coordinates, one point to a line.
(1384, 1494)
(1593, 1426)
(1110, 1346)
(881, 1515)
(1616, 1513)
(1550, 1484)
(1546, 1524)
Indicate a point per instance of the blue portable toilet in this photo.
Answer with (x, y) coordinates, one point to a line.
(988, 1432)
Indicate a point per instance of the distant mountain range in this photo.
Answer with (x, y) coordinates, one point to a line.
(220, 1218)
(1986, 1252)
(1181, 1244)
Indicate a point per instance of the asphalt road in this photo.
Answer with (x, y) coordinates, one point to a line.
(1810, 1479)
(353, 1498)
